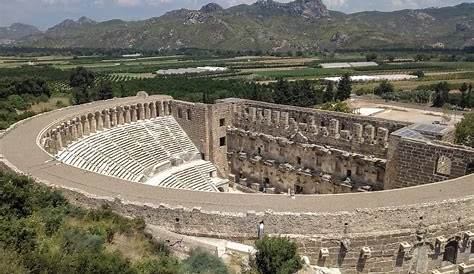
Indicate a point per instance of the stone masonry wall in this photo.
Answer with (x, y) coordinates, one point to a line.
(348, 132)
(413, 162)
(410, 239)
(264, 159)
(193, 118)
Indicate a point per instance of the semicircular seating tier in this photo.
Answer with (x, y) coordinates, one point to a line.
(156, 152)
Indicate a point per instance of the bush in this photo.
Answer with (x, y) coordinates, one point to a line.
(17, 102)
(202, 262)
(336, 106)
(161, 265)
(384, 87)
(418, 73)
(464, 134)
(277, 255)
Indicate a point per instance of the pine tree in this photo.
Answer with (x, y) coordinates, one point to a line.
(328, 95)
(344, 88)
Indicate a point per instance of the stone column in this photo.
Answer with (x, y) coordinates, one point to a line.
(79, 127)
(113, 114)
(276, 117)
(141, 112)
(161, 108)
(252, 114)
(284, 118)
(127, 115)
(121, 115)
(382, 135)
(86, 130)
(106, 115)
(147, 110)
(99, 121)
(358, 129)
(92, 124)
(165, 108)
(334, 128)
(267, 115)
(133, 113)
(152, 106)
(369, 133)
(67, 133)
(63, 136)
(57, 142)
(74, 130)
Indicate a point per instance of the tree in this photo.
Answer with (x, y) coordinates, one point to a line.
(391, 58)
(384, 87)
(276, 255)
(81, 77)
(105, 90)
(82, 82)
(371, 57)
(282, 91)
(418, 73)
(464, 134)
(441, 94)
(464, 95)
(328, 95)
(344, 88)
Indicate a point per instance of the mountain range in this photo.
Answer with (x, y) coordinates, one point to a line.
(264, 25)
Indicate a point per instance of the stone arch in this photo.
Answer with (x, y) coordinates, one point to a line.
(451, 252)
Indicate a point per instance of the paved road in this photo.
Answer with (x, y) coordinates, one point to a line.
(20, 148)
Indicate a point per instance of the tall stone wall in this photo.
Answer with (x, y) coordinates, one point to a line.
(193, 118)
(413, 162)
(206, 125)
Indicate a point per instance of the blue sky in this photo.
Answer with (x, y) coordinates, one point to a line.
(46, 13)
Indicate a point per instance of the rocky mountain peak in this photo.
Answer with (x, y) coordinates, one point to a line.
(211, 7)
(305, 8)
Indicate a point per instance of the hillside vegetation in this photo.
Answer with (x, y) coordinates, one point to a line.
(41, 232)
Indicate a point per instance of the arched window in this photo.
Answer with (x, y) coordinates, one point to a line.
(451, 252)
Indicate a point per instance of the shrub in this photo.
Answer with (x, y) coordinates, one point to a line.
(384, 87)
(418, 73)
(464, 134)
(277, 255)
(336, 106)
(202, 262)
(161, 265)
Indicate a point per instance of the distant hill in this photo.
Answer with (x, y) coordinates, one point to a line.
(270, 25)
(15, 32)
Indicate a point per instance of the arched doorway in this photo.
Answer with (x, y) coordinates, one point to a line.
(451, 252)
